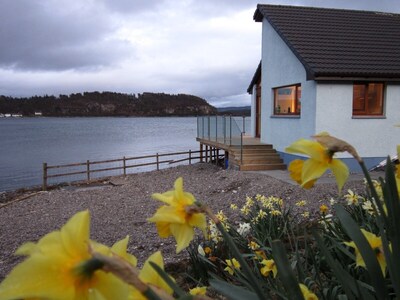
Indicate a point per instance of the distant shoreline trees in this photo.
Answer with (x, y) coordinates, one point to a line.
(107, 104)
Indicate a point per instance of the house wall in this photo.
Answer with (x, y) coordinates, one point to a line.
(281, 67)
(373, 138)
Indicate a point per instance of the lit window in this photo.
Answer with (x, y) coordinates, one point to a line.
(368, 99)
(287, 100)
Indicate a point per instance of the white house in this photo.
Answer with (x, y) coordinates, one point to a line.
(328, 70)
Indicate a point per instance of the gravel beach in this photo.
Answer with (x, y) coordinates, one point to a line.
(122, 208)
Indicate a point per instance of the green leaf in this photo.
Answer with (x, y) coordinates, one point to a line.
(366, 252)
(168, 280)
(348, 283)
(233, 292)
(245, 267)
(285, 272)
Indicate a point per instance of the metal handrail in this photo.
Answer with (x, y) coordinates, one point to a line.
(231, 132)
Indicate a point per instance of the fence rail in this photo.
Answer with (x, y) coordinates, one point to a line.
(157, 160)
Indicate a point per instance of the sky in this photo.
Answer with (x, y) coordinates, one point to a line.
(207, 48)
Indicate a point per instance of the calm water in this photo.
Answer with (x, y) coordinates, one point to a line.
(25, 143)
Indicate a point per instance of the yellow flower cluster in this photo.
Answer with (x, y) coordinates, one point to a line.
(301, 203)
(246, 209)
(179, 216)
(352, 198)
(232, 266)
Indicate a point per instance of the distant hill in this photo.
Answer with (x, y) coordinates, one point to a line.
(235, 110)
(107, 104)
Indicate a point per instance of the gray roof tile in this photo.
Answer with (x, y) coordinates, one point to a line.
(338, 42)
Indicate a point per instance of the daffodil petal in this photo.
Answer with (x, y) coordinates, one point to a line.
(120, 248)
(25, 281)
(183, 235)
(295, 170)
(341, 172)
(75, 234)
(149, 275)
(167, 214)
(307, 147)
(312, 170)
(163, 229)
(198, 220)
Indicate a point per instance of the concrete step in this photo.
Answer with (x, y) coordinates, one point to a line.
(260, 160)
(255, 151)
(262, 167)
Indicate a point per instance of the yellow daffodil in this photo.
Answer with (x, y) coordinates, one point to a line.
(301, 203)
(321, 159)
(177, 218)
(150, 276)
(323, 209)
(376, 245)
(201, 291)
(232, 265)
(352, 198)
(60, 266)
(269, 266)
(307, 294)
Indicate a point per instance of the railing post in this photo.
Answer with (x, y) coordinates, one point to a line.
(158, 162)
(209, 129)
(230, 130)
(224, 130)
(244, 124)
(202, 123)
(124, 164)
(241, 148)
(216, 128)
(88, 170)
(201, 152)
(190, 157)
(44, 186)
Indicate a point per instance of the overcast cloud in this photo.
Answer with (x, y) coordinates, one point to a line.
(207, 48)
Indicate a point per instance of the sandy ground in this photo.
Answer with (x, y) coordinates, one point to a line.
(122, 210)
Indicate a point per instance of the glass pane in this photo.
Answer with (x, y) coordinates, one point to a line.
(375, 98)
(359, 98)
(286, 100)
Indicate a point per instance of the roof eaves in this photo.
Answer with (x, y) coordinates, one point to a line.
(254, 80)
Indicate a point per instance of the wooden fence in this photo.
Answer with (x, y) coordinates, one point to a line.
(86, 168)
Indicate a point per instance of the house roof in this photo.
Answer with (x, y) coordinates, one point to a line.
(338, 43)
(256, 78)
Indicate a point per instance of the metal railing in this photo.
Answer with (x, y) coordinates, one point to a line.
(227, 130)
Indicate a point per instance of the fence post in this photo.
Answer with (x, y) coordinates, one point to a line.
(88, 170)
(158, 162)
(209, 129)
(244, 124)
(44, 186)
(190, 157)
(201, 152)
(124, 164)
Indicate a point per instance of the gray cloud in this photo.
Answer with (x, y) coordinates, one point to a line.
(44, 36)
(208, 48)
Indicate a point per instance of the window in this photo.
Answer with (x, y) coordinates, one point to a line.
(287, 100)
(368, 99)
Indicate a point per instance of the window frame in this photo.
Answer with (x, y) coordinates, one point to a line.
(297, 100)
(365, 112)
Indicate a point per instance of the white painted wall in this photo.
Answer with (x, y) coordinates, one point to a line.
(371, 137)
(281, 67)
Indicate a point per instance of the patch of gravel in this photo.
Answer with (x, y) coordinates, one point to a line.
(122, 209)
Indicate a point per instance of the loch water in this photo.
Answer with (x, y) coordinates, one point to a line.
(26, 143)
